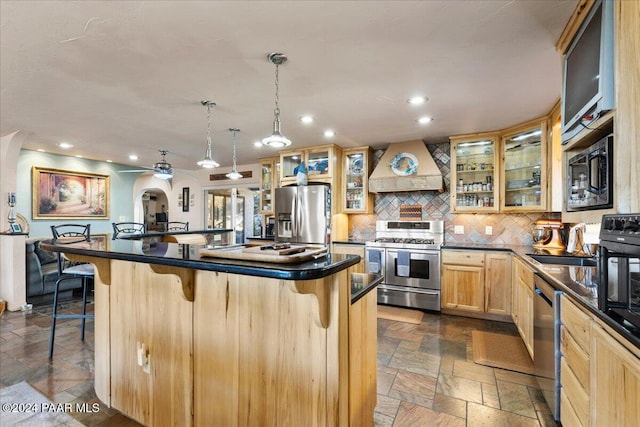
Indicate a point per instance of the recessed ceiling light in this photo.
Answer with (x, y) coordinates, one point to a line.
(257, 144)
(109, 161)
(65, 145)
(425, 120)
(417, 100)
(78, 156)
(329, 133)
(306, 119)
(40, 150)
(133, 157)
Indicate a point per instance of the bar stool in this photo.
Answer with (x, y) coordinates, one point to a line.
(128, 228)
(72, 233)
(177, 226)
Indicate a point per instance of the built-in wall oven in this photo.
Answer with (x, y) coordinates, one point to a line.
(619, 269)
(407, 254)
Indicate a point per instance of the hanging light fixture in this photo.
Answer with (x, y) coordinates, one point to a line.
(277, 140)
(208, 162)
(234, 174)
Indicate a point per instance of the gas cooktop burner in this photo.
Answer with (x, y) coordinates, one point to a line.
(415, 241)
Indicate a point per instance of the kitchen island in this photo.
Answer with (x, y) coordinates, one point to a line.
(182, 339)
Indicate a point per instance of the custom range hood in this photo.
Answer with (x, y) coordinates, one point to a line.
(406, 166)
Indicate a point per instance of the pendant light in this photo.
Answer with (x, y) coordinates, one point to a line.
(276, 140)
(208, 162)
(234, 174)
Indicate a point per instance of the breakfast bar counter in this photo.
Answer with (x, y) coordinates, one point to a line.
(184, 339)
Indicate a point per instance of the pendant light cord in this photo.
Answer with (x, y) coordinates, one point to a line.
(277, 110)
(209, 127)
(234, 150)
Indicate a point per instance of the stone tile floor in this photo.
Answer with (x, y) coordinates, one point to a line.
(426, 376)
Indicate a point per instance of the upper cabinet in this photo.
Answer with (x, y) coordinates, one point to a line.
(357, 166)
(321, 163)
(523, 171)
(269, 180)
(474, 180)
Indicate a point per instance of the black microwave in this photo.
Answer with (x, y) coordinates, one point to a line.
(590, 177)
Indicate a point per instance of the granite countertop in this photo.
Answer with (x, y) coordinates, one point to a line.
(362, 284)
(148, 250)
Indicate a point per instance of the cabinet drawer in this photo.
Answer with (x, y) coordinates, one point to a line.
(523, 272)
(577, 323)
(568, 415)
(576, 358)
(575, 393)
(463, 257)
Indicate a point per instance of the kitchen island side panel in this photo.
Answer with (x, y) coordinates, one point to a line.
(261, 354)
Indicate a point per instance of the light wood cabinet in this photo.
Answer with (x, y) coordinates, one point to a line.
(150, 345)
(348, 249)
(575, 337)
(269, 181)
(357, 164)
(524, 167)
(476, 283)
(600, 372)
(497, 283)
(323, 163)
(615, 381)
(475, 176)
(522, 302)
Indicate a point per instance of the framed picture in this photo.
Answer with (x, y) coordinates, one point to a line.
(185, 199)
(67, 195)
(16, 228)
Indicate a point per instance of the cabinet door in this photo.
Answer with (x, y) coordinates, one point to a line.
(615, 381)
(522, 302)
(463, 287)
(498, 283)
(267, 179)
(356, 197)
(523, 172)
(289, 161)
(150, 309)
(474, 177)
(320, 161)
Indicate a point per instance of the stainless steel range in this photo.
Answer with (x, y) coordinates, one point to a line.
(407, 254)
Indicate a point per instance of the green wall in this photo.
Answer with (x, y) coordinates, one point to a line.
(120, 192)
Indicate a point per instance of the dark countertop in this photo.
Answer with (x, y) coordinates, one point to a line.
(577, 282)
(350, 242)
(362, 284)
(172, 233)
(147, 250)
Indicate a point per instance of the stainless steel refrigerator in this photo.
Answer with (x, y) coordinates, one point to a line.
(303, 214)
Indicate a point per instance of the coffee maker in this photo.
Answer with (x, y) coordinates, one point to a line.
(547, 235)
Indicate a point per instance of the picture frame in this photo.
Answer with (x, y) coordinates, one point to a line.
(61, 194)
(185, 199)
(16, 228)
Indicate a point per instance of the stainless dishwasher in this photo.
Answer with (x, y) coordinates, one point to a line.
(546, 342)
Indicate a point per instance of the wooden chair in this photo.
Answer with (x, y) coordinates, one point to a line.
(70, 233)
(128, 228)
(177, 226)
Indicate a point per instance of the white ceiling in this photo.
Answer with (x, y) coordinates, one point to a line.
(121, 77)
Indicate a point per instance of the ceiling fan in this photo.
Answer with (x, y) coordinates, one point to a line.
(162, 169)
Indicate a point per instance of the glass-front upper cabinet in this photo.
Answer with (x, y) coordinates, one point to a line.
(357, 166)
(268, 182)
(523, 173)
(320, 162)
(474, 180)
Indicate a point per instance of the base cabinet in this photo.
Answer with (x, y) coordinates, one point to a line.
(476, 283)
(522, 303)
(600, 375)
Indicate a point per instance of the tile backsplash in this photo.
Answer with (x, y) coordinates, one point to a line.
(506, 228)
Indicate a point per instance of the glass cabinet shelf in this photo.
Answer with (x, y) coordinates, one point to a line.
(356, 197)
(524, 159)
(474, 178)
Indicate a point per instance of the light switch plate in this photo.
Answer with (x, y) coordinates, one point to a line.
(488, 230)
(458, 229)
